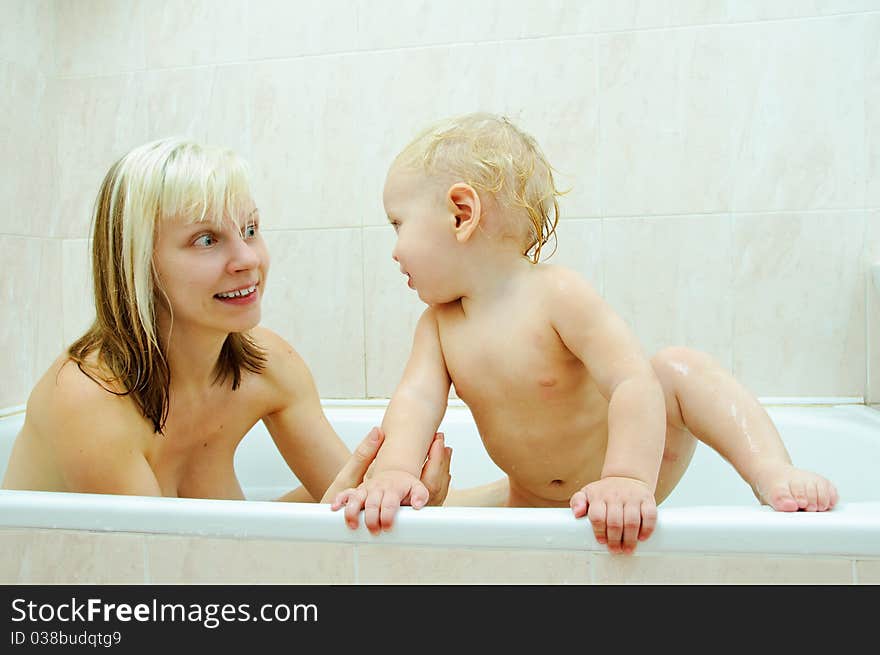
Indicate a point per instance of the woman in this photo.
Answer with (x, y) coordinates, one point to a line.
(154, 399)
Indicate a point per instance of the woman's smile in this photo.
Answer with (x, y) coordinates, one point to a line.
(240, 296)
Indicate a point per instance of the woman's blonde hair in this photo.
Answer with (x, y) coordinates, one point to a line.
(171, 177)
(493, 155)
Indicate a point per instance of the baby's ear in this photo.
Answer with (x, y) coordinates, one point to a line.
(464, 205)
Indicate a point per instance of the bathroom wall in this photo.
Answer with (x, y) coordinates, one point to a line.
(48, 557)
(723, 159)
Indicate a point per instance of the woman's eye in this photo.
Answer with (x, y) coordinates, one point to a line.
(205, 240)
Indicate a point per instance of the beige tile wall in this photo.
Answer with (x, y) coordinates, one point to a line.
(74, 557)
(723, 159)
(427, 565)
(798, 302)
(173, 560)
(867, 572)
(700, 569)
(31, 289)
(317, 302)
(662, 262)
(872, 116)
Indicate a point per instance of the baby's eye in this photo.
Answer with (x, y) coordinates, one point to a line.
(205, 241)
(250, 231)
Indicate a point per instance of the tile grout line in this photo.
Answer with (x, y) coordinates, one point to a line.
(868, 283)
(364, 308)
(146, 549)
(731, 290)
(598, 80)
(356, 558)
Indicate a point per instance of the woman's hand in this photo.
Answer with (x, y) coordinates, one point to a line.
(435, 473)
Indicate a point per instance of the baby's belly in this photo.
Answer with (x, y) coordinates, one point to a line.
(546, 460)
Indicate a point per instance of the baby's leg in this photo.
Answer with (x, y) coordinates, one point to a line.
(493, 494)
(677, 454)
(707, 401)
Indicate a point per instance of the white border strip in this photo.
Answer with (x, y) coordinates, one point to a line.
(455, 402)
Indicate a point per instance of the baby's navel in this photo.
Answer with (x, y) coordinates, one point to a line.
(547, 382)
(556, 483)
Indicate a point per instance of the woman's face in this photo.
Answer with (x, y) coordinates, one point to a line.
(212, 277)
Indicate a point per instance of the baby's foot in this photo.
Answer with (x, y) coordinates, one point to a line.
(787, 488)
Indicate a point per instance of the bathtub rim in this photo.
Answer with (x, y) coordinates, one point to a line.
(851, 530)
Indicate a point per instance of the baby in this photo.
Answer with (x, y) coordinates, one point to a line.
(565, 401)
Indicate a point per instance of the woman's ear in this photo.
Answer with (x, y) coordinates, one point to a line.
(464, 206)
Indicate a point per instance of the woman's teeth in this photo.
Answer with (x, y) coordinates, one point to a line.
(239, 293)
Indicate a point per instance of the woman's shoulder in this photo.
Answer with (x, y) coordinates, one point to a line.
(92, 439)
(279, 353)
(71, 394)
(285, 370)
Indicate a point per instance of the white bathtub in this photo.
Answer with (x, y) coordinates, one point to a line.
(711, 529)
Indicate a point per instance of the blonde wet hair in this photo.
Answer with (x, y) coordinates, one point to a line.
(490, 153)
(169, 178)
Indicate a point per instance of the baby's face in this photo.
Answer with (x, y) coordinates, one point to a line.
(426, 246)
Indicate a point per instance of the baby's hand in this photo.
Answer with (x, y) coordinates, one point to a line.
(379, 497)
(621, 510)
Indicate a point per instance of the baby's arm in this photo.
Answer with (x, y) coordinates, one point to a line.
(412, 418)
(621, 504)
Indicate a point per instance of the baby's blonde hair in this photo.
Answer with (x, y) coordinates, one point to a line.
(493, 155)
